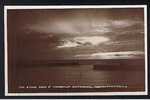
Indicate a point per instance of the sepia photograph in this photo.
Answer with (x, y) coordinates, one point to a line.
(75, 50)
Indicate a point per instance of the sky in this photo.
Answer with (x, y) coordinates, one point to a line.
(76, 33)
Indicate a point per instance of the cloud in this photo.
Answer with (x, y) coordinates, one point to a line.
(112, 55)
(83, 41)
(76, 26)
(76, 31)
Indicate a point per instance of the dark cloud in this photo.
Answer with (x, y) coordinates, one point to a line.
(37, 34)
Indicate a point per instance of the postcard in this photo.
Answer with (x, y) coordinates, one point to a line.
(82, 50)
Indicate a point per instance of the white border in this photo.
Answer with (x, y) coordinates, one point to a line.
(75, 94)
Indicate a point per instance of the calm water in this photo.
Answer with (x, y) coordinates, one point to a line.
(79, 75)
